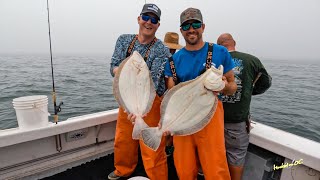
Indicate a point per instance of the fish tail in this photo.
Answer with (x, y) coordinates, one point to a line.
(138, 126)
(151, 137)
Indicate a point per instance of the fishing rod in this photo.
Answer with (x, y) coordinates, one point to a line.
(57, 109)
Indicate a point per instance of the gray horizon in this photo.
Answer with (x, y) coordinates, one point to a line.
(267, 29)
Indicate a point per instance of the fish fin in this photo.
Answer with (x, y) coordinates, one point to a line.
(151, 137)
(138, 126)
(116, 91)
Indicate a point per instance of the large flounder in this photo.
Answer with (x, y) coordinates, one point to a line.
(187, 108)
(134, 90)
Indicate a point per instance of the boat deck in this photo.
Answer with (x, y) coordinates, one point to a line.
(100, 168)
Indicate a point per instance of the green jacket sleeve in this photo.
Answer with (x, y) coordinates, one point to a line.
(263, 79)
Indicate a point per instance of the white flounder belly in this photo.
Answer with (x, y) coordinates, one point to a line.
(188, 107)
(134, 90)
(133, 86)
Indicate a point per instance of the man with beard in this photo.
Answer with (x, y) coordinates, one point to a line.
(206, 146)
(155, 54)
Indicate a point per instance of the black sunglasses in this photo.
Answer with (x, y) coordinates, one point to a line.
(195, 25)
(146, 18)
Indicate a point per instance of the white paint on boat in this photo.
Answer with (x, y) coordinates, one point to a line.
(32, 154)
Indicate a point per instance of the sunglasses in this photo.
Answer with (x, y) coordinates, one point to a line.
(146, 18)
(195, 25)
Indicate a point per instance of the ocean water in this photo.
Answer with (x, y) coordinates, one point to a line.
(84, 84)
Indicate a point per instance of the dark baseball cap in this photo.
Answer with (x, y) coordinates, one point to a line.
(189, 14)
(151, 8)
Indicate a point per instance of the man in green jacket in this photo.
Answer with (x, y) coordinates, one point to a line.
(251, 78)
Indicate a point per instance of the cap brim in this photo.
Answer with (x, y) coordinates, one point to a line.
(146, 11)
(190, 19)
(173, 46)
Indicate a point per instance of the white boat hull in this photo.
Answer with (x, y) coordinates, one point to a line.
(33, 154)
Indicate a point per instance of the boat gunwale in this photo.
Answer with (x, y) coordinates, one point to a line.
(14, 136)
(283, 143)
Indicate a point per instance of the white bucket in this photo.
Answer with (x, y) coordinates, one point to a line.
(31, 111)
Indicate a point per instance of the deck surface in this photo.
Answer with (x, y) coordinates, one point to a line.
(100, 168)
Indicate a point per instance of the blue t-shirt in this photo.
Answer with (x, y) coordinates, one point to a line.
(189, 64)
(156, 60)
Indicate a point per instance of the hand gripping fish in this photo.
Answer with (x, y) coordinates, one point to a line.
(134, 90)
(187, 108)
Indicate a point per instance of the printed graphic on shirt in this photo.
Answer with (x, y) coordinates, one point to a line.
(212, 64)
(237, 74)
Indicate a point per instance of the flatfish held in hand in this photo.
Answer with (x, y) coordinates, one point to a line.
(134, 90)
(187, 108)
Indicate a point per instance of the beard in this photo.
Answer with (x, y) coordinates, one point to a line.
(193, 40)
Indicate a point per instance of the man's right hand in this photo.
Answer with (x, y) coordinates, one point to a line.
(115, 70)
(248, 125)
(131, 117)
(166, 133)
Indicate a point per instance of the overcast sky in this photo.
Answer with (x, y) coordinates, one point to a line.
(277, 29)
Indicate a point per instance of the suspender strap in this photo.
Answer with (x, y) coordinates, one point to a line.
(173, 70)
(131, 46)
(209, 56)
(149, 48)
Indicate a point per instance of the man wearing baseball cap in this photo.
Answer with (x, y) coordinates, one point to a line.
(155, 54)
(206, 146)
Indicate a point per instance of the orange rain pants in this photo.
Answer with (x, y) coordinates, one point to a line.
(126, 149)
(206, 146)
